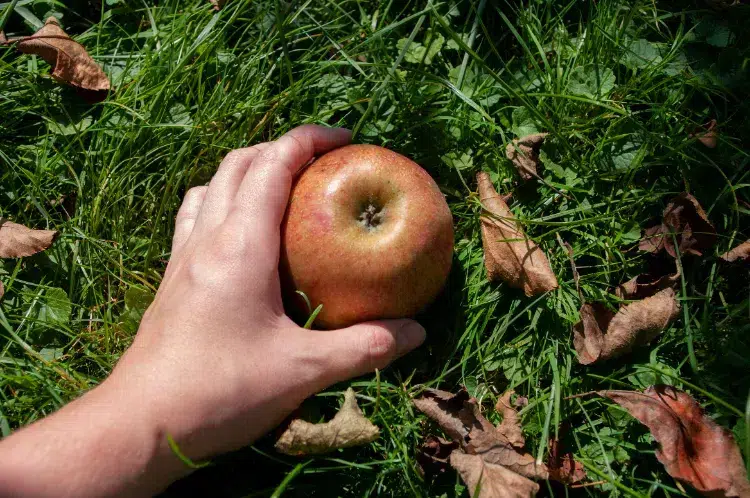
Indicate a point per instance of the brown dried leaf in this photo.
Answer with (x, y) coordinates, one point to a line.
(693, 448)
(739, 253)
(524, 154)
(485, 480)
(458, 414)
(684, 217)
(432, 457)
(348, 428)
(600, 336)
(2, 290)
(218, 4)
(708, 135)
(561, 464)
(508, 254)
(495, 449)
(510, 427)
(646, 285)
(18, 241)
(70, 62)
(3, 38)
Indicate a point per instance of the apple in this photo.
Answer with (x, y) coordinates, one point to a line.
(367, 234)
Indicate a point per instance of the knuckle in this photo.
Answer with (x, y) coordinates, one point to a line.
(379, 347)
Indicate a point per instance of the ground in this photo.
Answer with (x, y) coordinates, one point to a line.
(620, 86)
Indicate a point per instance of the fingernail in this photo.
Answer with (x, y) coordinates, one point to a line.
(410, 336)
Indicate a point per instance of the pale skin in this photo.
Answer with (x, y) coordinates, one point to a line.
(215, 363)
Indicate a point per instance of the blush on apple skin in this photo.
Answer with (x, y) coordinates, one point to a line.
(368, 234)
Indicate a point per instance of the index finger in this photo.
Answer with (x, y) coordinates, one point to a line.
(264, 192)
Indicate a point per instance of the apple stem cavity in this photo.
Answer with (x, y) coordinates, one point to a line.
(371, 217)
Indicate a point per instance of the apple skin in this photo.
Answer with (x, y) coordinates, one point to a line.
(367, 234)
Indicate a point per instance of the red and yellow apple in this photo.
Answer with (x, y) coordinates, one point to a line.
(367, 234)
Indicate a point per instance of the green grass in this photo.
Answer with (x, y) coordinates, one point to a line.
(619, 88)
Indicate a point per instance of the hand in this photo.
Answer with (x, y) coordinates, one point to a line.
(216, 363)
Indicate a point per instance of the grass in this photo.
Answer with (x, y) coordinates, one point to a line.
(620, 88)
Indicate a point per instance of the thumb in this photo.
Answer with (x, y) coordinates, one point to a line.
(362, 348)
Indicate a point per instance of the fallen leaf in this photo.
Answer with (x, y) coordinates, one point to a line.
(601, 335)
(432, 457)
(508, 254)
(707, 136)
(18, 241)
(218, 4)
(347, 428)
(510, 427)
(524, 154)
(2, 290)
(495, 449)
(70, 62)
(693, 448)
(486, 480)
(3, 38)
(739, 253)
(684, 217)
(561, 464)
(646, 285)
(457, 414)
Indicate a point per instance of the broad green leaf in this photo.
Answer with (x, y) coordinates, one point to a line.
(418, 52)
(641, 53)
(138, 298)
(55, 307)
(523, 124)
(592, 81)
(459, 160)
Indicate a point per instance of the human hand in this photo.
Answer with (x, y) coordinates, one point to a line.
(216, 363)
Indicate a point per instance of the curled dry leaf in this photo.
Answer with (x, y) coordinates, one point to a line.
(739, 253)
(602, 335)
(495, 449)
(561, 464)
(646, 285)
(684, 217)
(510, 427)
(707, 136)
(432, 457)
(348, 428)
(18, 241)
(693, 448)
(486, 480)
(70, 62)
(524, 154)
(508, 254)
(456, 413)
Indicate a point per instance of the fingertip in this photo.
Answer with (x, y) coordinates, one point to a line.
(410, 335)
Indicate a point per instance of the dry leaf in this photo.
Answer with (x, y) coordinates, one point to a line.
(684, 217)
(708, 135)
(510, 427)
(524, 153)
(3, 38)
(348, 428)
(495, 449)
(457, 414)
(485, 480)
(739, 253)
(70, 62)
(218, 4)
(18, 241)
(2, 290)
(693, 448)
(646, 285)
(432, 457)
(601, 335)
(561, 464)
(508, 254)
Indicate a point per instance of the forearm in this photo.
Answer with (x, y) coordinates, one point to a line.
(103, 444)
